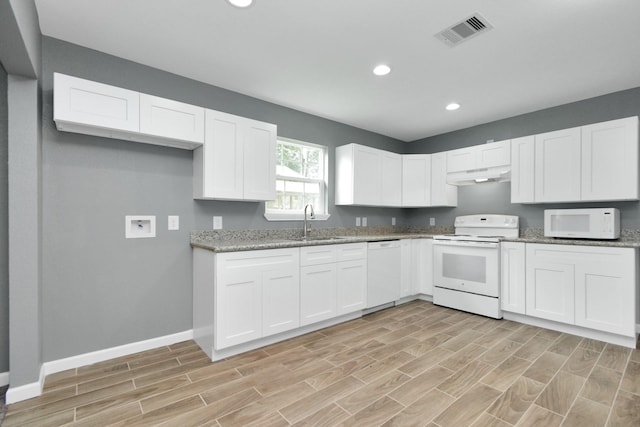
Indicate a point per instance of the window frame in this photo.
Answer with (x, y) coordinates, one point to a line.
(324, 184)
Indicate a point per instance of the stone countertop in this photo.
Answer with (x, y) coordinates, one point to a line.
(628, 239)
(248, 240)
(617, 243)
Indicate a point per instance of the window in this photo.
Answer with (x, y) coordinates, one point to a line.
(301, 170)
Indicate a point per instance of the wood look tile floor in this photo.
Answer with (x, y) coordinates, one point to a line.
(412, 365)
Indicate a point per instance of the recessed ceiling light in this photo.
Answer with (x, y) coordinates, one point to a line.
(452, 106)
(241, 3)
(381, 70)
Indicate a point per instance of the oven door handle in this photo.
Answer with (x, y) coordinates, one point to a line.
(467, 244)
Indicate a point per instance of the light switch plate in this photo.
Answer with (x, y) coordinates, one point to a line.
(357, 221)
(364, 221)
(393, 220)
(217, 223)
(432, 221)
(173, 222)
(139, 226)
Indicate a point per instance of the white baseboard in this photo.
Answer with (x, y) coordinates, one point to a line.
(28, 391)
(4, 379)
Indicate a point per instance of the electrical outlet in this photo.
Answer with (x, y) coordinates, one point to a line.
(393, 220)
(432, 221)
(357, 221)
(217, 223)
(364, 221)
(173, 222)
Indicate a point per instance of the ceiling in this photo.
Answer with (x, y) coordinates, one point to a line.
(317, 56)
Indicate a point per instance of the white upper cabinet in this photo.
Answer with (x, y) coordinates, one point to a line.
(597, 162)
(171, 119)
(367, 176)
(416, 180)
(237, 160)
(83, 102)
(90, 108)
(442, 194)
(610, 160)
(484, 156)
(557, 166)
(522, 169)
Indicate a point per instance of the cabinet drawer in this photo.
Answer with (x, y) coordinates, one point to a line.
(314, 255)
(351, 251)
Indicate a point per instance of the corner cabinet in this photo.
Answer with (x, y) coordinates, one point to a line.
(598, 162)
(416, 180)
(237, 159)
(91, 108)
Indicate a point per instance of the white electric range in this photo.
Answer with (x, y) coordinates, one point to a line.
(467, 264)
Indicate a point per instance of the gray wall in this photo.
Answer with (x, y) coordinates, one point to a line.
(4, 227)
(100, 290)
(20, 37)
(495, 197)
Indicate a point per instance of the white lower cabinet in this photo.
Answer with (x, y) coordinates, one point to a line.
(590, 286)
(512, 277)
(422, 266)
(256, 294)
(333, 281)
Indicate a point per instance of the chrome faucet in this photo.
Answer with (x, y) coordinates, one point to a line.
(307, 227)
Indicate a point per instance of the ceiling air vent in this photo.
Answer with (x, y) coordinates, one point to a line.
(464, 30)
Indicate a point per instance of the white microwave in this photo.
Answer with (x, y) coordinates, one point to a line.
(593, 223)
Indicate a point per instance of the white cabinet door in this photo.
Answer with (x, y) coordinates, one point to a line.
(351, 286)
(522, 169)
(171, 119)
(557, 166)
(493, 154)
(605, 291)
(238, 306)
(416, 180)
(391, 183)
(462, 159)
(367, 176)
(318, 294)
(259, 163)
(280, 300)
(513, 289)
(610, 160)
(219, 160)
(80, 101)
(442, 194)
(550, 283)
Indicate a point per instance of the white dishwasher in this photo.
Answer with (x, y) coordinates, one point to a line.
(383, 272)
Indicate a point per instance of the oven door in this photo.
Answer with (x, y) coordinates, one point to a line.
(467, 266)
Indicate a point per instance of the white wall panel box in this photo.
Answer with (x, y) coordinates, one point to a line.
(140, 226)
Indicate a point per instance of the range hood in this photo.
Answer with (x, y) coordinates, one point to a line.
(479, 176)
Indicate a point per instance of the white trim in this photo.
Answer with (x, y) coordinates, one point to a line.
(4, 379)
(113, 352)
(622, 340)
(289, 216)
(28, 391)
